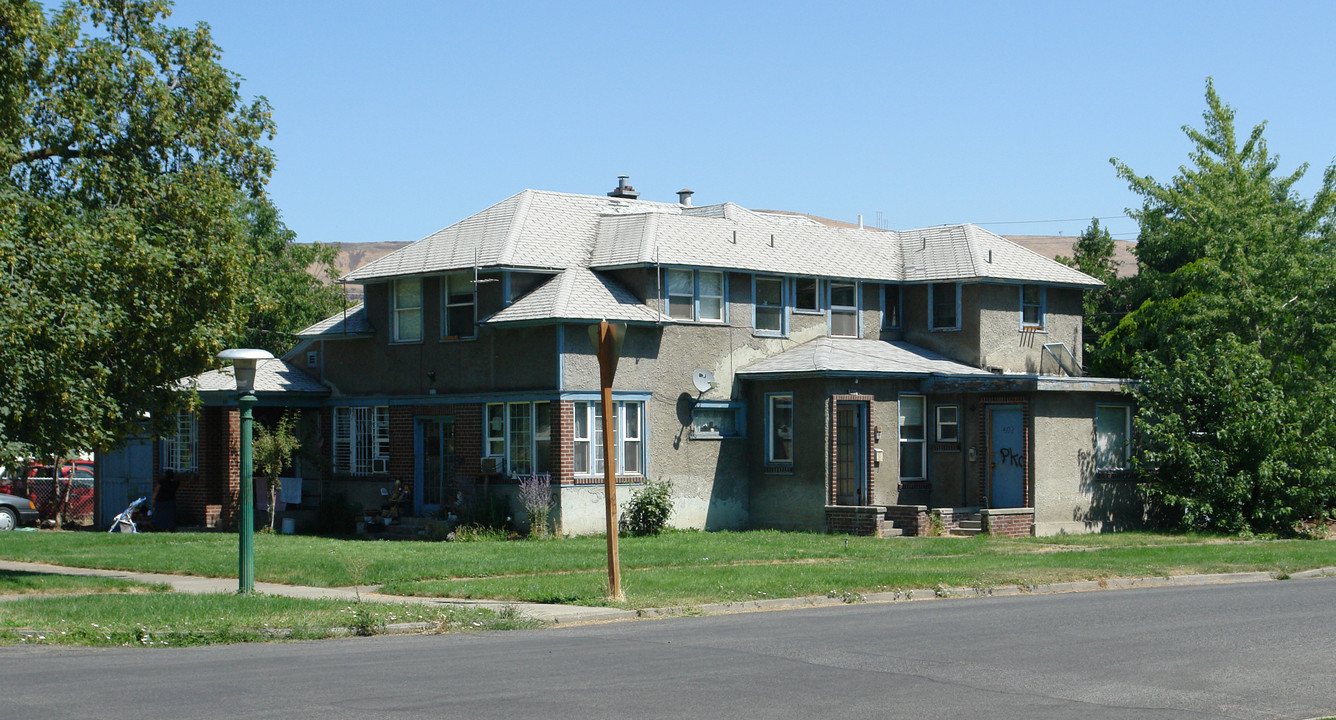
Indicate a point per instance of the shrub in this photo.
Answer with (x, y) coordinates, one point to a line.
(536, 497)
(648, 511)
(336, 515)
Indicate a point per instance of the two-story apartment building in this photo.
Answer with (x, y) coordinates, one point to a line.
(852, 377)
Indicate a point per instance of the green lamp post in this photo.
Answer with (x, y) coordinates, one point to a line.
(243, 368)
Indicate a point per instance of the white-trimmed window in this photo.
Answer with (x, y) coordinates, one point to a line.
(716, 419)
(807, 295)
(628, 444)
(779, 428)
(407, 296)
(890, 306)
(948, 424)
(1033, 299)
(1113, 438)
(459, 303)
(913, 445)
(843, 308)
(179, 448)
(362, 440)
(695, 295)
(768, 305)
(944, 306)
(520, 432)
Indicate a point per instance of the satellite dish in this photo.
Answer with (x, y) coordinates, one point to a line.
(703, 380)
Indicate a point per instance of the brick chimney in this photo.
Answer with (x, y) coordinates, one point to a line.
(624, 189)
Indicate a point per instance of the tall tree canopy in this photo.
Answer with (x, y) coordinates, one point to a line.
(1233, 335)
(131, 210)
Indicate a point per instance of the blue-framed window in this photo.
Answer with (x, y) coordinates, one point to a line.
(913, 437)
(845, 317)
(807, 295)
(629, 430)
(716, 420)
(944, 306)
(696, 295)
(1113, 438)
(779, 428)
(769, 312)
(459, 307)
(891, 300)
(1034, 298)
(406, 304)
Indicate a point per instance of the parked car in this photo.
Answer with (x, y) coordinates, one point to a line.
(16, 511)
(75, 486)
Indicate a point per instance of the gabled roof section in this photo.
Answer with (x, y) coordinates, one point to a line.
(852, 356)
(730, 237)
(581, 295)
(534, 229)
(271, 376)
(352, 321)
(968, 252)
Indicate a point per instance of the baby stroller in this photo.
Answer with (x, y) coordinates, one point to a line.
(125, 522)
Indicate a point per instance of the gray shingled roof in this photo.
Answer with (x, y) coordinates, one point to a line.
(353, 321)
(828, 355)
(578, 294)
(271, 376)
(546, 230)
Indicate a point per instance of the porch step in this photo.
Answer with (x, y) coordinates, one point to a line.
(889, 531)
(968, 527)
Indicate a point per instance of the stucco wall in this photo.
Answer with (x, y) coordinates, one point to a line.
(374, 366)
(1069, 498)
(1004, 344)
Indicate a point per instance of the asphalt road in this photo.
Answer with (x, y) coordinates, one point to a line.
(1259, 650)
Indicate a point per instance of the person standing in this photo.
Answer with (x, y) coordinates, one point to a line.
(164, 502)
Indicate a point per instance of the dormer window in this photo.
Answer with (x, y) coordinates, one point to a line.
(407, 296)
(695, 295)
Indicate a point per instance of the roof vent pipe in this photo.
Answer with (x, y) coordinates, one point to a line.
(624, 189)
(684, 197)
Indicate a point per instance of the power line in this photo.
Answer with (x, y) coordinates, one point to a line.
(1029, 222)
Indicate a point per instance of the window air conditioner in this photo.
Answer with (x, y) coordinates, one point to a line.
(380, 465)
(493, 465)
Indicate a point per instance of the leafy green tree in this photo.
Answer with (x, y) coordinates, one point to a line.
(132, 215)
(1093, 254)
(286, 293)
(1233, 335)
(273, 450)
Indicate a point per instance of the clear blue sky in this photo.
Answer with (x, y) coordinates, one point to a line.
(396, 119)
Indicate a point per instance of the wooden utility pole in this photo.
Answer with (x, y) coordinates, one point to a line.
(607, 338)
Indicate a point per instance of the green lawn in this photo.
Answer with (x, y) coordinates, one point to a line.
(679, 568)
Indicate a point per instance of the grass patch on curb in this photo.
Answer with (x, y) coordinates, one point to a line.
(180, 620)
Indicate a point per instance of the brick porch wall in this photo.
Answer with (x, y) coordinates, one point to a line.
(1007, 522)
(866, 520)
(912, 519)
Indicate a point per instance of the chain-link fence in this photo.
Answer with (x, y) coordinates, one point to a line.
(71, 497)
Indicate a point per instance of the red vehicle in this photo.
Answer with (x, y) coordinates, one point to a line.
(75, 489)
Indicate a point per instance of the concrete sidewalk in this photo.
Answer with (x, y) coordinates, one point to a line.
(557, 614)
(568, 614)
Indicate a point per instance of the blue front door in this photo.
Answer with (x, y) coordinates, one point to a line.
(435, 471)
(1006, 456)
